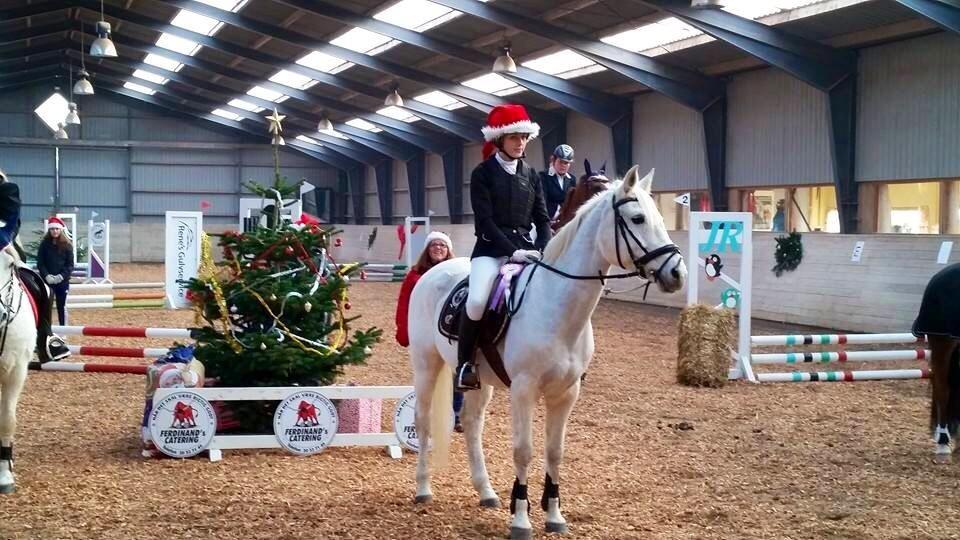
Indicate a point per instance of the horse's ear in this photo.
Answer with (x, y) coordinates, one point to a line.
(629, 180)
(603, 168)
(586, 167)
(646, 183)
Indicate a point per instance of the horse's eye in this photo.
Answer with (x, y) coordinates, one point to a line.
(638, 220)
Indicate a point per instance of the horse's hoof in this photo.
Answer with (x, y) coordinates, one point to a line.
(558, 528)
(8, 489)
(423, 499)
(517, 533)
(490, 503)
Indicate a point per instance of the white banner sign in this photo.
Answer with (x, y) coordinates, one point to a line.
(182, 254)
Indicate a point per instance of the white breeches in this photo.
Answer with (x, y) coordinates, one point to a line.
(483, 273)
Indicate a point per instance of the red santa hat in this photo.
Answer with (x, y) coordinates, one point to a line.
(55, 223)
(504, 120)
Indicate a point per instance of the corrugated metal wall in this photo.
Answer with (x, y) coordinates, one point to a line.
(95, 180)
(909, 116)
(778, 132)
(669, 137)
(401, 191)
(34, 170)
(436, 190)
(590, 140)
(372, 203)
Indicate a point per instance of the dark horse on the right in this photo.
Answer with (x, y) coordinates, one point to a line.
(939, 322)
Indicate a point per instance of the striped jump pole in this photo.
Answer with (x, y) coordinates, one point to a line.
(845, 376)
(117, 286)
(88, 368)
(121, 352)
(124, 331)
(839, 356)
(380, 267)
(831, 339)
(129, 304)
(91, 298)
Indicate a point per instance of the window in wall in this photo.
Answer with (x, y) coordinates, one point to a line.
(802, 209)
(909, 208)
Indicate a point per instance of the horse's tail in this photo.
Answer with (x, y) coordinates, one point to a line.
(440, 418)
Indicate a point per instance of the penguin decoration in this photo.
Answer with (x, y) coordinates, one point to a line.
(712, 267)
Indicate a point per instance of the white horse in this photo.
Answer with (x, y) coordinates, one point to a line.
(547, 347)
(18, 337)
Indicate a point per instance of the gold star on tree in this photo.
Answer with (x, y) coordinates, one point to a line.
(275, 129)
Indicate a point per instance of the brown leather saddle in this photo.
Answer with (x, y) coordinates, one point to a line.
(495, 321)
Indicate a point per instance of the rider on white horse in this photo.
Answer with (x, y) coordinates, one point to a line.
(507, 197)
(49, 345)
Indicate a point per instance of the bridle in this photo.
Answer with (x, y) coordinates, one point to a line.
(622, 233)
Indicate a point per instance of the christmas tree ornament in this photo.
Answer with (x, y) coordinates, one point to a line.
(273, 298)
(233, 309)
(288, 250)
(263, 346)
(338, 242)
(307, 306)
(367, 350)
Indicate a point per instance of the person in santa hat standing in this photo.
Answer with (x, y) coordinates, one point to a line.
(55, 263)
(49, 345)
(507, 198)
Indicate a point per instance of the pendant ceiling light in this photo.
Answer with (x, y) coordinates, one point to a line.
(103, 46)
(505, 63)
(83, 86)
(393, 98)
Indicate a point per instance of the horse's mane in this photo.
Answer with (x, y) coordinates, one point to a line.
(560, 241)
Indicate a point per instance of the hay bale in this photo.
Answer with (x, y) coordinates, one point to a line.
(704, 344)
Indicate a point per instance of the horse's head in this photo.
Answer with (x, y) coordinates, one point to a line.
(591, 183)
(640, 237)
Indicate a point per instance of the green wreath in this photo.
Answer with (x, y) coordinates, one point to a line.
(788, 254)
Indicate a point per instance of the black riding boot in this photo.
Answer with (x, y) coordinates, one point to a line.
(49, 345)
(466, 378)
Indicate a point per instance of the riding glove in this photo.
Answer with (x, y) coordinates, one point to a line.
(525, 256)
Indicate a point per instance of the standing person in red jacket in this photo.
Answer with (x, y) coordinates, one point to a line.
(438, 248)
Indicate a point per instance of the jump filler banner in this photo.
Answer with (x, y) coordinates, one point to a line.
(182, 254)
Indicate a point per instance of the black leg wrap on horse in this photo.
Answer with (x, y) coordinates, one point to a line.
(519, 492)
(551, 490)
(6, 453)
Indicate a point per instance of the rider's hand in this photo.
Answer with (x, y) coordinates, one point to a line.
(525, 256)
(51, 279)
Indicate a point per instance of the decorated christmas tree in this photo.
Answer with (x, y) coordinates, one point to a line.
(276, 307)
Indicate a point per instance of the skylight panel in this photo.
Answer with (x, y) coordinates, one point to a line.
(227, 5)
(360, 123)
(413, 14)
(335, 133)
(304, 138)
(398, 114)
(53, 111)
(750, 9)
(227, 114)
(178, 44)
(138, 88)
(439, 99)
(493, 83)
(560, 62)
(323, 62)
(162, 62)
(652, 35)
(245, 105)
(196, 23)
(263, 93)
(793, 4)
(361, 41)
(147, 76)
(295, 80)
